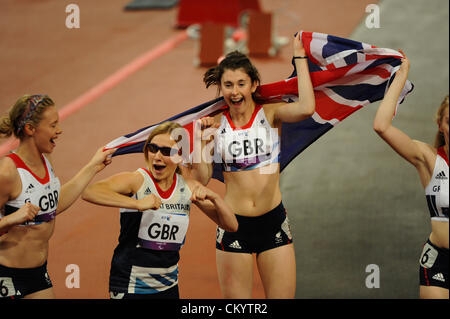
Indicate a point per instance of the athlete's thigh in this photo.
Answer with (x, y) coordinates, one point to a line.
(278, 272)
(42, 294)
(432, 292)
(235, 271)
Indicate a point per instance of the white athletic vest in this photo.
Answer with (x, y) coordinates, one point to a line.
(42, 192)
(254, 145)
(166, 227)
(437, 190)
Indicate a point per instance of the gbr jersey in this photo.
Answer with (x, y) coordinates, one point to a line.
(437, 190)
(42, 192)
(252, 146)
(146, 259)
(166, 227)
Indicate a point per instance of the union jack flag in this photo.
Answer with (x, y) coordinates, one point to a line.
(346, 75)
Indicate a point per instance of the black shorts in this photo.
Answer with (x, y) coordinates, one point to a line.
(171, 293)
(19, 282)
(434, 266)
(257, 234)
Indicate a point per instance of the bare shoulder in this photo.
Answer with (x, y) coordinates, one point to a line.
(8, 170)
(132, 180)
(270, 109)
(425, 148)
(191, 183)
(426, 162)
(428, 153)
(9, 178)
(125, 182)
(218, 116)
(134, 177)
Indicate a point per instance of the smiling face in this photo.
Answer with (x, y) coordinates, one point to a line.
(47, 131)
(237, 89)
(162, 166)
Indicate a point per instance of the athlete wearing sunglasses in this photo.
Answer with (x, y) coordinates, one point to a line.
(166, 151)
(155, 206)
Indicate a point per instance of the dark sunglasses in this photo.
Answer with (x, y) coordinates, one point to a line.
(166, 151)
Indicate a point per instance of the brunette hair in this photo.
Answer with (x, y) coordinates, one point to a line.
(233, 61)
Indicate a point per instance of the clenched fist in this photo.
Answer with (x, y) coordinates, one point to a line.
(149, 202)
(25, 213)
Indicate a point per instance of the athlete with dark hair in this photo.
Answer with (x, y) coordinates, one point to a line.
(247, 143)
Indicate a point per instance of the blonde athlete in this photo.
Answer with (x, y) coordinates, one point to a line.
(431, 163)
(155, 204)
(31, 196)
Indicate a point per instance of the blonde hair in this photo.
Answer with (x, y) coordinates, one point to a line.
(164, 128)
(27, 110)
(439, 139)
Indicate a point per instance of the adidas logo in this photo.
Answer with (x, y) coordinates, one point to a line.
(439, 277)
(235, 245)
(441, 175)
(29, 189)
(223, 131)
(147, 191)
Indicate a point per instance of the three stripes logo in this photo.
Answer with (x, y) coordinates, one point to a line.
(441, 175)
(29, 189)
(235, 245)
(439, 277)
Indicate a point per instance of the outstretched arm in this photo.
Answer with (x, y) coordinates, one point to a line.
(306, 105)
(71, 190)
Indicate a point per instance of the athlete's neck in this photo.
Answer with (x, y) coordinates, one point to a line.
(164, 183)
(29, 154)
(242, 117)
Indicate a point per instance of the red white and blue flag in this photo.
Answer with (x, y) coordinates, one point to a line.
(346, 75)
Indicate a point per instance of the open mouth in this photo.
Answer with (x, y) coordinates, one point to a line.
(159, 168)
(52, 141)
(237, 101)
